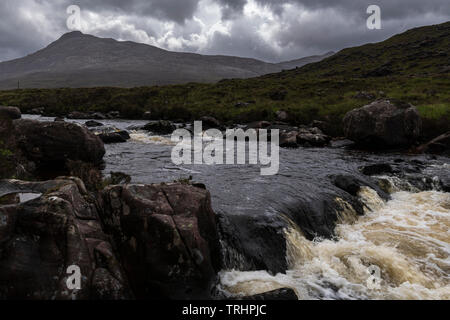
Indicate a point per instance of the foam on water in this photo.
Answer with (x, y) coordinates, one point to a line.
(407, 238)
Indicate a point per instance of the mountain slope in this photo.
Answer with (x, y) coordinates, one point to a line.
(79, 60)
(419, 51)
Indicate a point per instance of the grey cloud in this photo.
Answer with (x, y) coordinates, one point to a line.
(28, 25)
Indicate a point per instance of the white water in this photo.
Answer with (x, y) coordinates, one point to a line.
(408, 238)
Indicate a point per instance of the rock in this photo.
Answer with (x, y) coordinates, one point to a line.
(279, 294)
(41, 238)
(288, 140)
(341, 143)
(37, 111)
(53, 143)
(377, 169)
(160, 127)
(439, 145)
(93, 124)
(12, 113)
(112, 137)
(113, 115)
(76, 115)
(59, 119)
(352, 185)
(365, 95)
(383, 125)
(98, 116)
(166, 236)
(312, 137)
(258, 125)
(282, 116)
(210, 123)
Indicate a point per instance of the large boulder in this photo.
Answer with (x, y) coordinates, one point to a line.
(383, 125)
(12, 113)
(41, 238)
(166, 236)
(53, 143)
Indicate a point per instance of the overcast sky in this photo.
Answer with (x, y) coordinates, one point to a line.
(270, 30)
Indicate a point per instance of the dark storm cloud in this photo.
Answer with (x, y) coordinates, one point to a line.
(271, 30)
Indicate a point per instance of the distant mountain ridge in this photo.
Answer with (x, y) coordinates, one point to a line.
(80, 60)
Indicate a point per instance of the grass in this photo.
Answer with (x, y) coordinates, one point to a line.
(413, 67)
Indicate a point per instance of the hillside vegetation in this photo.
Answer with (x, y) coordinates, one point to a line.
(413, 67)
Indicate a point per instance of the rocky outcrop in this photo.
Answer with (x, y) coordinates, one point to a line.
(53, 143)
(133, 241)
(166, 236)
(40, 239)
(383, 125)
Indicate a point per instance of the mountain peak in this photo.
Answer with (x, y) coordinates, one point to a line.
(72, 34)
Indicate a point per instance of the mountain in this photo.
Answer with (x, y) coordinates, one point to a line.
(303, 61)
(80, 60)
(413, 67)
(420, 51)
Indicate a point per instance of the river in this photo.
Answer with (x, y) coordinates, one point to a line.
(405, 241)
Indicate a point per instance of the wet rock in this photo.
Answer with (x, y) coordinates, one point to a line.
(160, 127)
(289, 140)
(59, 119)
(253, 242)
(279, 294)
(383, 125)
(377, 169)
(113, 137)
(12, 113)
(41, 238)
(166, 236)
(352, 185)
(53, 143)
(93, 124)
(312, 137)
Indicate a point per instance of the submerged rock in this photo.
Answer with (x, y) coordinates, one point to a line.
(383, 125)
